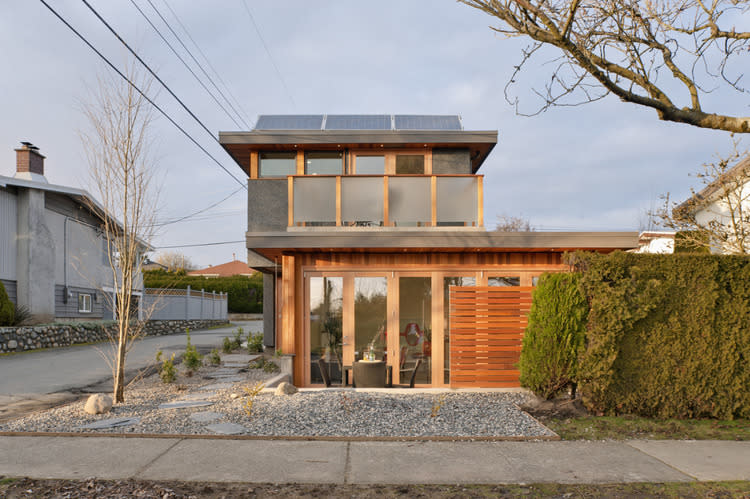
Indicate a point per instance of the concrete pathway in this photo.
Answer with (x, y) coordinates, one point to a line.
(35, 380)
(284, 461)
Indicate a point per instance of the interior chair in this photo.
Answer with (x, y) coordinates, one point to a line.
(414, 373)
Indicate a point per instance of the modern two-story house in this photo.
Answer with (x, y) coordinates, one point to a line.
(363, 226)
(54, 258)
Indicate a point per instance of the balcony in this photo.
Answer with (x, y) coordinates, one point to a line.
(385, 201)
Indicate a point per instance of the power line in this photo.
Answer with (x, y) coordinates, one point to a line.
(148, 68)
(197, 212)
(197, 245)
(185, 63)
(208, 62)
(150, 101)
(257, 30)
(200, 66)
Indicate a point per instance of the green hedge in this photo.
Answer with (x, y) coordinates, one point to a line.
(554, 336)
(245, 294)
(7, 310)
(667, 335)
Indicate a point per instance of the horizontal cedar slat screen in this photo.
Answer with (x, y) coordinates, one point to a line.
(486, 329)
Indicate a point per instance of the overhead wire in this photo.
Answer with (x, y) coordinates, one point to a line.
(263, 41)
(174, 51)
(208, 62)
(197, 245)
(191, 215)
(132, 84)
(200, 66)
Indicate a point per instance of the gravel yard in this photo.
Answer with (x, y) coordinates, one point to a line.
(323, 413)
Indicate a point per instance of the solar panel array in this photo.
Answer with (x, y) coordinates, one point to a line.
(358, 122)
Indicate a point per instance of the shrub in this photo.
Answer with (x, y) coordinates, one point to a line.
(255, 343)
(20, 315)
(227, 345)
(214, 358)
(237, 338)
(668, 336)
(167, 372)
(192, 359)
(554, 336)
(7, 310)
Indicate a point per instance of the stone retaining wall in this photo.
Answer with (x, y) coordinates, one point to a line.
(18, 339)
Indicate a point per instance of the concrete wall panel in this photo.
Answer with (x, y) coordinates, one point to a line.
(451, 161)
(267, 205)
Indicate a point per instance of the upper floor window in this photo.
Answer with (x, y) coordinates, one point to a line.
(370, 165)
(409, 164)
(324, 163)
(277, 164)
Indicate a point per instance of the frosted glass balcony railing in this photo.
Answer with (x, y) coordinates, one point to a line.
(385, 200)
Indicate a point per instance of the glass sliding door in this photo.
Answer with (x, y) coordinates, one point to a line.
(415, 329)
(370, 316)
(447, 283)
(326, 313)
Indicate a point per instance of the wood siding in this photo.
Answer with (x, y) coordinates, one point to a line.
(486, 330)
(433, 261)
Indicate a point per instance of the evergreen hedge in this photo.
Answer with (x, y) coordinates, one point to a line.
(245, 294)
(7, 310)
(554, 336)
(667, 335)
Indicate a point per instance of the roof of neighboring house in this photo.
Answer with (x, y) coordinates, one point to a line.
(235, 267)
(81, 195)
(286, 132)
(742, 168)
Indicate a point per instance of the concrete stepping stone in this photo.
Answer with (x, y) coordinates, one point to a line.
(239, 357)
(197, 396)
(206, 416)
(236, 365)
(111, 423)
(227, 428)
(216, 386)
(222, 372)
(227, 378)
(185, 404)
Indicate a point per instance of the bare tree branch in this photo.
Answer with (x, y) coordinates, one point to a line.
(644, 52)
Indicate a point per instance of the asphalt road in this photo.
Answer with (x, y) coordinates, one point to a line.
(36, 379)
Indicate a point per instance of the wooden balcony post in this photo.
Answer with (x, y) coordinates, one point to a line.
(300, 162)
(254, 164)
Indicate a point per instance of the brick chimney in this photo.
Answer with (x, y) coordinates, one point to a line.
(29, 163)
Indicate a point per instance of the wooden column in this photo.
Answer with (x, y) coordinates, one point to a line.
(254, 164)
(433, 201)
(393, 330)
(286, 340)
(290, 200)
(438, 330)
(480, 201)
(300, 162)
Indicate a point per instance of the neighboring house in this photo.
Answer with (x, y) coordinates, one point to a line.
(657, 242)
(53, 255)
(722, 209)
(362, 225)
(149, 264)
(235, 267)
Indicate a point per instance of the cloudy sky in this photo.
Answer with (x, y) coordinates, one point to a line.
(595, 167)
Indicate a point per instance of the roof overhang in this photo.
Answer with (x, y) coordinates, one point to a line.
(272, 245)
(239, 145)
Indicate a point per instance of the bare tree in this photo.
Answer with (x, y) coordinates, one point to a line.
(117, 146)
(654, 53)
(175, 261)
(717, 216)
(506, 223)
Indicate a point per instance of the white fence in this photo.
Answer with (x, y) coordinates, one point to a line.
(184, 304)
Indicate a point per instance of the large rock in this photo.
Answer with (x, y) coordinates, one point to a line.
(98, 403)
(285, 388)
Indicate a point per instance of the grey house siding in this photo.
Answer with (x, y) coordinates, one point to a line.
(10, 288)
(267, 209)
(451, 161)
(64, 205)
(8, 231)
(70, 309)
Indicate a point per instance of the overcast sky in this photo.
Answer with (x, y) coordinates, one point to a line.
(594, 167)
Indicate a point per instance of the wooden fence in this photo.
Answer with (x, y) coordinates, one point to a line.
(486, 329)
(185, 304)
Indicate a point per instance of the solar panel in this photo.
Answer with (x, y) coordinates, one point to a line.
(358, 122)
(427, 122)
(289, 122)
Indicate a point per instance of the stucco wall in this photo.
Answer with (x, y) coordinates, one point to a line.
(451, 161)
(8, 222)
(267, 209)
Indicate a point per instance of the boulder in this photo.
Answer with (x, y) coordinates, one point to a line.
(98, 403)
(285, 388)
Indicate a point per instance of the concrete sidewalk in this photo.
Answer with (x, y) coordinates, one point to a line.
(371, 462)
